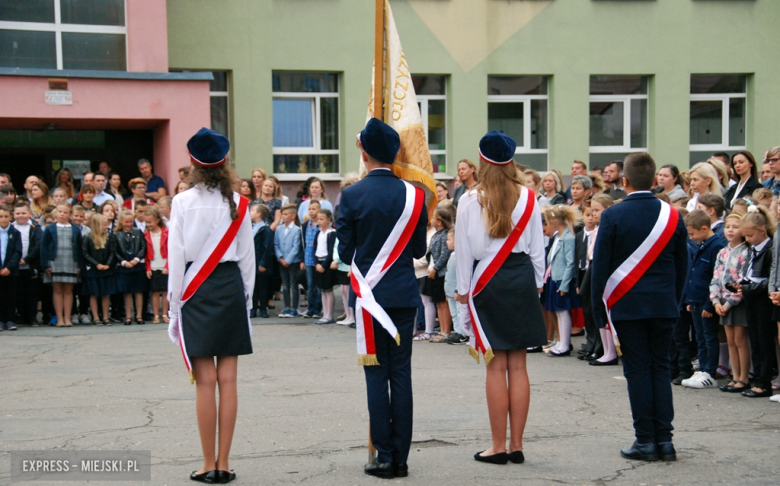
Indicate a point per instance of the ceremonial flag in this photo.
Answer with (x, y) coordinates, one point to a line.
(397, 106)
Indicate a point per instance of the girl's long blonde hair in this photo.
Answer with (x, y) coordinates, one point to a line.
(563, 214)
(122, 214)
(97, 234)
(498, 191)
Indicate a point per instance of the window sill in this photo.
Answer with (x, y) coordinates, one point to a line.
(302, 177)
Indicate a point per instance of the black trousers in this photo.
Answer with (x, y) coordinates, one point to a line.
(27, 296)
(683, 348)
(389, 388)
(8, 298)
(262, 291)
(593, 343)
(763, 336)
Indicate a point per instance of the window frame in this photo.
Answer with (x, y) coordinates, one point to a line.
(626, 100)
(526, 100)
(725, 99)
(422, 101)
(58, 28)
(224, 94)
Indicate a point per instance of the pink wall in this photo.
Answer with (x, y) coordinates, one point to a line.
(147, 36)
(175, 110)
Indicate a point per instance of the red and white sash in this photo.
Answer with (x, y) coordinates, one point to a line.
(630, 271)
(205, 263)
(366, 306)
(496, 255)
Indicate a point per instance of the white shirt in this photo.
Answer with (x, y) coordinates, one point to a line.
(158, 262)
(24, 229)
(194, 216)
(472, 240)
(141, 225)
(322, 243)
(102, 197)
(691, 205)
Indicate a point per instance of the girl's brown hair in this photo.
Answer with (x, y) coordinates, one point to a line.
(45, 199)
(155, 213)
(216, 178)
(760, 218)
(444, 216)
(498, 192)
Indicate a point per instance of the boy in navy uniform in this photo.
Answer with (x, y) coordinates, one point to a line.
(264, 259)
(10, 254)
(27, 284)
(645, 316)
(368, 212)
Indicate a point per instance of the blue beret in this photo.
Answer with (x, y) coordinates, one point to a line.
(497, 148)
(380, 141)
(208, 148)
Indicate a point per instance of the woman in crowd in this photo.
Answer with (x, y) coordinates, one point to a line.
(552, 188)
(64, 181)
(181, 186)
(580, 190)
(467, 173)
(247, 190)
(115, 188)
(316, 193)
(743, 164)
(258, 177)
(668, 179)
(533, 181)
(704, 180)
(274, 204)
(40, 199)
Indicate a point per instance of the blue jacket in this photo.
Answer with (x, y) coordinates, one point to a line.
(288, 247)
(264, 250)
(563, 261)
(697, 284)
(49, 245)
(369, 209)
(623, 228)
(13, 251)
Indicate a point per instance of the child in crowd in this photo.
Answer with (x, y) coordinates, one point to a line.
(59, 196)
(140, 214)
(437, 269)
(763, 197)
(130, 250)
(99, 280)
(609, 357)
(325, 278)
(559, 277)
(715, 206)
(309, 241)
(27, 283)
(696, 297)
(342, 278)
(109, 210)
(79, 219)
(87, 198)
(264, 260)
(289, 252)
(731, 263)
(458, 335)
(156, 236)
(7, 195)
(740, 206)
(428, 308)
(758, 227)
(10, 256)
(61, 262)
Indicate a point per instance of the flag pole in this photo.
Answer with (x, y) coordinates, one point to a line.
(379, 46)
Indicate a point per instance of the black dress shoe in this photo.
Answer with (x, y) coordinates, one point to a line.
(666, 451)
(537, 349)
(264, 314)
(611, 362)
(500, 458)
(641, 452)
(553, 354)
(401, 470)
(224, 477)
(754, 394)
(209, 477)
(517, 457)
(384, 470)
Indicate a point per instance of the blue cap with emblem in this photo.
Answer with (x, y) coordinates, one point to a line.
(380, 141)
(208, 148)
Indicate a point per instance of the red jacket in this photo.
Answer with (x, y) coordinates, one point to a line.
(150, 247)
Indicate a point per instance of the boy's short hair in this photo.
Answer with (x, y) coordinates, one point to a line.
(697, 219)
(713, 201)
(262, 209)
(290, 207)
(639, 170)
(87, 189)
(165, 201)
(140, 203)
(22, 204)
(314, 201)
(3, 207)
(78, 209)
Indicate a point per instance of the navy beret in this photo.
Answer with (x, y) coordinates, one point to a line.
(208, 148)
(380, 141)
(497, 148)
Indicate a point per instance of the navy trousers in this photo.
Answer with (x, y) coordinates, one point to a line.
(391, 413)
(645, 347)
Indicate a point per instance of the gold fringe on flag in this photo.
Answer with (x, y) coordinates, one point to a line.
(397, 339)
(367, 360)
(617, 346)
(474, 353)
(192, 378)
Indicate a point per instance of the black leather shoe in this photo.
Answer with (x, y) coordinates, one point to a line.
(553, 354)
(641, 452)
(666, 451)
(754, 394)
(611, 362)
(517, 457)
(384, 470)
(401, 470)
(224, 477)
(537, 349)
(209, 477)
(500, 458)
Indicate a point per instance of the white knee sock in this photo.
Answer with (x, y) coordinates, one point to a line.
(430, 314)
(564, 331)
(608, 342)
(328, 301)
(345, 300)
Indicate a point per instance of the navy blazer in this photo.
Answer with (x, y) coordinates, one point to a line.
(33, 258)
(369, 209)
(13, 251)
(264, 250)
(623, 228)
(49, 245)
(700, 270)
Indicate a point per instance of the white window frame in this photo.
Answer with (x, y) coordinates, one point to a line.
(224, 94)
(316, 137)
(726, 111)
(626, 100)
(58, 28)
(422, 101)
(527, 130)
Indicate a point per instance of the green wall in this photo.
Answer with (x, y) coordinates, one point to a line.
(569, 40)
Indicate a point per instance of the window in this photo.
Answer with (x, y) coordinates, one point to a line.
(305, 123)
(517, 105)
(63, 34)
(618, 116)
(219, 103)
(717, 118)
(432, 100)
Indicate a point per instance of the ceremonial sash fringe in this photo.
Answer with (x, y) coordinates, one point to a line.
(630, 271)
(208, 258)
(496, 255)
(366, 307)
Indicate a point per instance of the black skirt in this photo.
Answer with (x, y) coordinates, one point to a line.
(214, 319)
(159, 282)
(132, 280)
(434, 288)
(342, 278)
(509, 308)
(326, 280)
(98, 283)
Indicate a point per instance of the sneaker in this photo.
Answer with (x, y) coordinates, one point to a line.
(705, 380)
(454, 338)
(85, 319)
(285, 313)
(690, 380)
(294, 314)
(775, 398)
(53, 321)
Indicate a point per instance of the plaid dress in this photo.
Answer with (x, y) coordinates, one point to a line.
(64, 268)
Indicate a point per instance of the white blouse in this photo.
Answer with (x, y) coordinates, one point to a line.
(194, 216)
(472, 240)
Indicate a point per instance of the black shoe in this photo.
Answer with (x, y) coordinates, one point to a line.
(537, 349)
(517, 457)
(224, 477)
(352, 325)
(681, 377)
(139, 320)
(553, 354)
(666, 451)
(754, 394)
(500, 458)
(453, 338)
(581, 333)
(641, 452)
(612, 362)
(401, 470)
(209, 477)
(253, 313)
(264, 314)
(384, 470)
